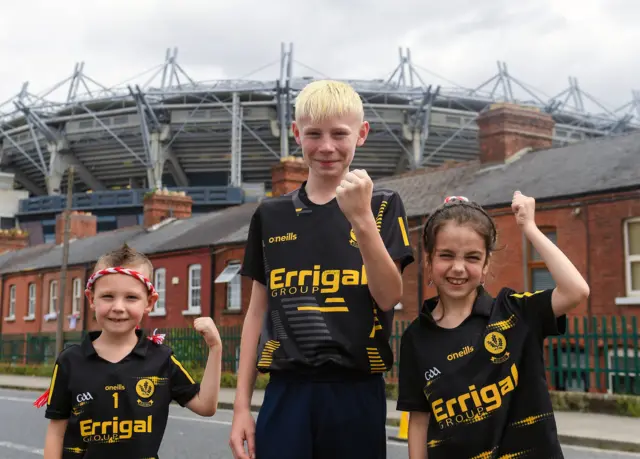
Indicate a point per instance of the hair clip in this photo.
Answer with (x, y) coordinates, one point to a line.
(449, 199)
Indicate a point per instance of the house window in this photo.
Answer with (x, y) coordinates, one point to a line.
(53, 296)
(77, 296)
(160, 285)
(539, 276)
(31, 310)
(234, 294)
(632, 256)
(12, 302)
(230, 276)
(195, 288)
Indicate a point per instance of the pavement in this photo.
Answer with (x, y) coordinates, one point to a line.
(583, 435)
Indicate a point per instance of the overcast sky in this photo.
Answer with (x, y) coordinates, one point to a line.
(543, 42)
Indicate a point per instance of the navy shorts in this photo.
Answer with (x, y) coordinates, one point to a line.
(301, 419)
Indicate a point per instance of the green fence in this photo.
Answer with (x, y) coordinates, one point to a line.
(602, 354)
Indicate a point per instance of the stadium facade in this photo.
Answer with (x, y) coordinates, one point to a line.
(217, 140)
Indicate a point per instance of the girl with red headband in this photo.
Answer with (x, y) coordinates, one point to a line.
(472, 372)
(110, 395)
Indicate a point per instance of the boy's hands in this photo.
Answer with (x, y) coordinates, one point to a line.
(524, 209)
(354, 195)
(208, 330)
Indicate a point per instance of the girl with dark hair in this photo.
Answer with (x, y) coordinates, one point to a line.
(472, 372)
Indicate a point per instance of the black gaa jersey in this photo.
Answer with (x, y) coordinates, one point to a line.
(321, 319)
(116, 410)
(483, 382)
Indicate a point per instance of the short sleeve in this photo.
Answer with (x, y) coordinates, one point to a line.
(410, 381)
(183, 386)
(253, 264)
(59, 401)
(536, 310)
(395, 230)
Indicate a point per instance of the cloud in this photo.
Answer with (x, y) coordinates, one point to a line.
(542, 41)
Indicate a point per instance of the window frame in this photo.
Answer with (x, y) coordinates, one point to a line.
(53, 299)
(538, 264)
(76, 296)
(31, 312)
(629, 259)
(160, 308)
(234, 282)
(13, 292)
(191, 309)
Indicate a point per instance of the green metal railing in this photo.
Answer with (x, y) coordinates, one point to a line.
(602, 354)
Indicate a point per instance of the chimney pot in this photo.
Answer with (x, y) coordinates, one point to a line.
(13, 239)
(81, 225)
(161, 205)
(506, 129)
(288, 175)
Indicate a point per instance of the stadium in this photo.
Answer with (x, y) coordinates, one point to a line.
(217, 140)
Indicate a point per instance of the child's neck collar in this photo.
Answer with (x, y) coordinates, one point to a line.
(321, 190)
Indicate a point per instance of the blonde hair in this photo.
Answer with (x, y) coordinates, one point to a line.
(324, 99)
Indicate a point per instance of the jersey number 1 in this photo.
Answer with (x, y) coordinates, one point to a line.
(115, 400)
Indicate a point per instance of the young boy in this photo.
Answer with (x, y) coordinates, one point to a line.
(110, 395)
(321, 305)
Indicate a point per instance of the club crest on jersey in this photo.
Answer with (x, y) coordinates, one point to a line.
(352, 239)
(145, 389)
(496, 344)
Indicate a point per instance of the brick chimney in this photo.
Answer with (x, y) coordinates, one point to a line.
(288, 175)
(81, 225)
(505, 129)
(162, 204)
(13, 239)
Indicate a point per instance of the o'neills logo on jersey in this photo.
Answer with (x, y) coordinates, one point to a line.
(456, 355)
(474, 405)
(287, 237)
(118, 387)
(309, 281)
(114, 430)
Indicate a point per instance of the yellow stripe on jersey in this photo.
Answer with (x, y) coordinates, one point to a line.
(531, 420)
(53, 383)
(515, 455)
(383, 207)
(526, 294)
(324, 308)
(486, 455)
(375, 361)
(186, 373)
(336, 299)
(267, 353)
(403, 230)
(503, 324)
(376, 323)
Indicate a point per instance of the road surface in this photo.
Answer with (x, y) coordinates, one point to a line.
(22, 429)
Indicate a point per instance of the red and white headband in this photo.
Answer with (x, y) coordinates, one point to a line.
(118, 270)
(449, 199)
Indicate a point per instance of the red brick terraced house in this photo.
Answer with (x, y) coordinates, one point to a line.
(588, 203)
